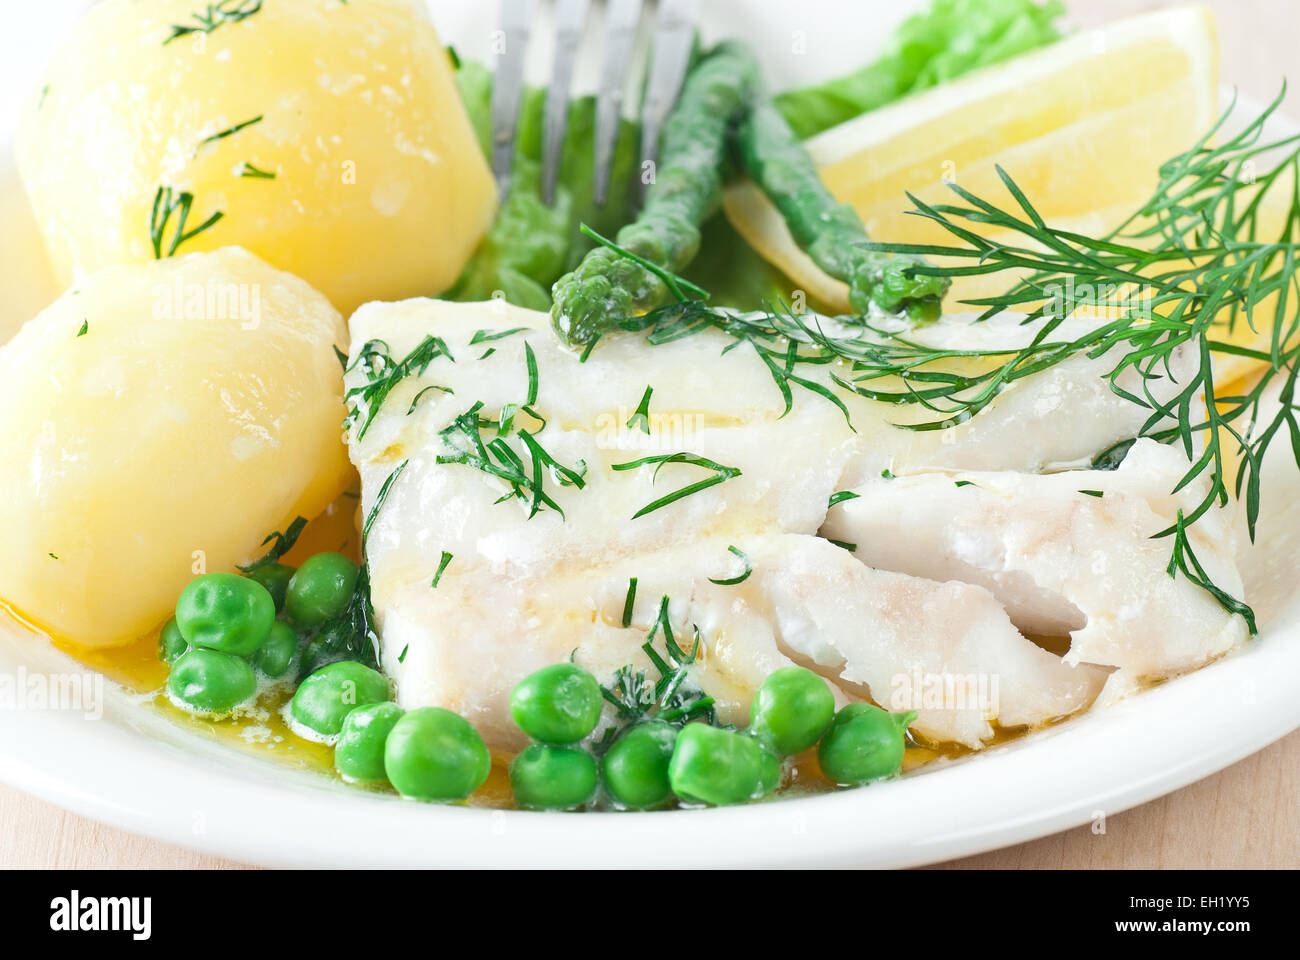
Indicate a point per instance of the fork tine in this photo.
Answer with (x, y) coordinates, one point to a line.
(508, 86)
(620, 37)
(570, 18)
(674, 35)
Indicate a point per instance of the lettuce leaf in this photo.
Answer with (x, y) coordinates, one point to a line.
(530, 245)
(952, 37)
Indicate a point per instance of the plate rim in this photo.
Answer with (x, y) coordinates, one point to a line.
(132, 773)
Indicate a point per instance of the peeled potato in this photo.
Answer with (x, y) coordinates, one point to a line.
(199, 410)
(380, 190)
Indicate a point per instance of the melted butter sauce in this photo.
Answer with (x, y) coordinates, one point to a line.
(261, 729)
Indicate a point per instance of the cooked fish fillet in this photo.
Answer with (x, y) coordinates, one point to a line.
(1062, 416)
(1069, 552)
(523, 589)
(947, 649)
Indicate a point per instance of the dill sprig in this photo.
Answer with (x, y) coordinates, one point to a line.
(1198, 246)
(1195, 251)
(720, 474)
(213, 16)
(165, 203)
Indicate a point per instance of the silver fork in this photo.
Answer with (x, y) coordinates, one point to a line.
(670, 56)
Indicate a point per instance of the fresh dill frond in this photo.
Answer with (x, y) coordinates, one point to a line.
(720, 474)
(1198, 245)
(165, 203)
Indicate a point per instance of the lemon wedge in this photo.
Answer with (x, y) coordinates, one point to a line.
(1082, 126)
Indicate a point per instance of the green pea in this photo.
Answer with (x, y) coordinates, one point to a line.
(546, 777)
(275, 654)
(635, 767)
(434, 754)
(863, 743)
(321, 588)
(222, 611)
(769, 773)
(170, 642)
(791, 710)
(324, 699)
(211, 682)
(275, 577)
(557, 704)
(359, 753)
(716, 766)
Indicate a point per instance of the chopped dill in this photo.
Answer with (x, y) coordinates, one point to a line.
(250, 172)
(629, 602)
(640, 419)
(484, 336)
(671, 698)
(496, 458)
(213, 16)
(743, 576)
(442, 565)
(415, 401)
(380, 498)
(841, 496)
(850, 547)
(720, 474)
(281, 543)
(229, 131)
(383, 374)
(165, 203)
(85, 328)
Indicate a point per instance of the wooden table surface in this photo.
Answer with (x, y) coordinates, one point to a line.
(1245, 816)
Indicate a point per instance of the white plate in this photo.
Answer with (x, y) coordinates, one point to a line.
(137, 770)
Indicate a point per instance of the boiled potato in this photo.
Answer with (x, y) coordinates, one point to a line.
(161, 420)
(379, 189)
